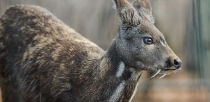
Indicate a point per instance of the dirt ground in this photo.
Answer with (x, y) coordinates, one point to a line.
(181, 87)
(172, 95)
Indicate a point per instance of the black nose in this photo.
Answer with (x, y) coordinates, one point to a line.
(177, 63)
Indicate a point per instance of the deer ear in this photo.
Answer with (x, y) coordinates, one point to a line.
(144, 9)
(126, 12)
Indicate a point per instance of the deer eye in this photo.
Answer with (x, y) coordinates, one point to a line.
(148, 40)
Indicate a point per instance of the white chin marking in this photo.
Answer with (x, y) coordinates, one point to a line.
(121, 69)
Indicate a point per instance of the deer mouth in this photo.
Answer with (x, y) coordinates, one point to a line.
(169, 69)
(164, 72)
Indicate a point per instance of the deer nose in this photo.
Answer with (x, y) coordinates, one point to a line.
(177, 63)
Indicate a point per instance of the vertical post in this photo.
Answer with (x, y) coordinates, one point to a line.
(194, 38)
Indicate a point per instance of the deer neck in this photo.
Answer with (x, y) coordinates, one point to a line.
(120, 80)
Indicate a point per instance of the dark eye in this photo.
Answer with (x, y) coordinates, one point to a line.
(148, 40)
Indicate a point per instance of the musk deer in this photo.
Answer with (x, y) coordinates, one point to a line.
(42, 59)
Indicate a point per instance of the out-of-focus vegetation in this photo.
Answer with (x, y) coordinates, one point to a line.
(185, 24)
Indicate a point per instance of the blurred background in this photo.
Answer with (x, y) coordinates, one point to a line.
(185, 24)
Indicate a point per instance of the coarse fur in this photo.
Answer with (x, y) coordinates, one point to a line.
(42, 59)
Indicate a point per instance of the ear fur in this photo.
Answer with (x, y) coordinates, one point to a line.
(144, 9)
(127, 13)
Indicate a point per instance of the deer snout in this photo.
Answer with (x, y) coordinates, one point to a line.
(177, 63)
(174, 60)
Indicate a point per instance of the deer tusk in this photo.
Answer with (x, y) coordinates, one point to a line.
(174, 72)
(155, 74)
(163, 76)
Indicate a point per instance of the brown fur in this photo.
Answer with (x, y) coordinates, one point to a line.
(42, 59)
(45, 42)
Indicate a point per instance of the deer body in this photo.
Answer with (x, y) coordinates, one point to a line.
(42, 59)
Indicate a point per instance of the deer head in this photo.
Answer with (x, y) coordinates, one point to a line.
(139, 43)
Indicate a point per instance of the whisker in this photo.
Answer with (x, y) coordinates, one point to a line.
(155, 74)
